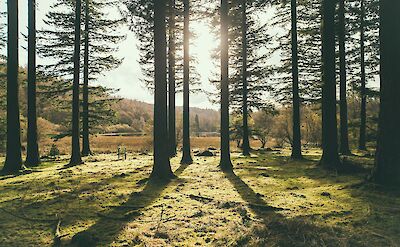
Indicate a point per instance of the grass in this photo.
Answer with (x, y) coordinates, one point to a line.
(270, 200)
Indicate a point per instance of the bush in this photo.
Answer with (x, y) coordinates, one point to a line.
(54, 151)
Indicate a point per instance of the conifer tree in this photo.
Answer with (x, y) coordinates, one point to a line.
(387, 159)
(13, 161)
(32, 152)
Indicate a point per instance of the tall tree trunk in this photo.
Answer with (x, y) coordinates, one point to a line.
(344, 132)
(161, 166)
(85, 104)
(225, 162)
(187, 157)
(387, 159)
(76, 153)
(363, 112)
(171, 79)
(296, 145)
(32, 155)
(13, 161)
(246, 142)
(330, 156)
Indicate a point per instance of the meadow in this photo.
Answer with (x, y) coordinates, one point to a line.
(269, 200)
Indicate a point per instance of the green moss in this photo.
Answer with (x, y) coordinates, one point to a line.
(270, 200)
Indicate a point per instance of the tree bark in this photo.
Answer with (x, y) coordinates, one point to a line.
(344, 130)
(296, 146)
(85, 99)
(330, 156)
(76, 153)
(246, 142)
(363, 110)
(32, 155)
(171, 80)
(161, 167)
(13, 161)
(225, 162)
(387, 159)
(187, 156)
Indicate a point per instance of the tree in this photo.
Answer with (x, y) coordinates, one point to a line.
(387, 160)
(13, 161)
(3, 36)
(161, 166)
(75, 152)
(296, 146)
(187, 157)
(171, 78)
(344, 133)
(246, 142)
(330, 156)
(99, 44)
(32, 158)
(225, 162)
(263, 125)
(363, 112)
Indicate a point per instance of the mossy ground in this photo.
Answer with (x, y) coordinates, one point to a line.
(270, 200)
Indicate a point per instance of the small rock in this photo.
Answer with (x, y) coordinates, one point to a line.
(205, 153)
(326, 194)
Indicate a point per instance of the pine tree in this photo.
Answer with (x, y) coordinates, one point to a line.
(171, 77)
(75, 131)
(186, 156)
(32, 158)
(13, 161)
(387, 169)
(225, 162)
(330, 157)
(3, 35)
(161, 166)
(344, 135)
(99, 44)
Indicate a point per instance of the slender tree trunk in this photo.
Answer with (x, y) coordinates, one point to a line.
(387, 159)
(246, 142)
(76, 153)
(330, 156)
(363, 112)
(32, 154)
(161, 167)
(85, 104)
(171, 80)
(13, 161)
(296, 147)
(344, 132)
(225, 162)
(187, 156)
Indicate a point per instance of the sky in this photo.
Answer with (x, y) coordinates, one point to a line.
(126, 77)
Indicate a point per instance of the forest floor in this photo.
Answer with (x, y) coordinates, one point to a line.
(269, 200)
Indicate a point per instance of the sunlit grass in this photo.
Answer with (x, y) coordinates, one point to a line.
(270, 200)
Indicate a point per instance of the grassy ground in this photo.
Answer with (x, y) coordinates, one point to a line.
(268, 201)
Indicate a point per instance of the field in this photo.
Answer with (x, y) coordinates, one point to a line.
(109, 144)
(269, 200)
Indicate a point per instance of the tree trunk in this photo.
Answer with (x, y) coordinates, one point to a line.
(363, 110)
(225, 162)
(32, 155)
(296, 146)
(330, 156)
(187, 157)
(161, 167)
(171, 80)
(76, 153)
(246, 142)
(387, 159)
(85, 104)
(13, 161)
(344, 132)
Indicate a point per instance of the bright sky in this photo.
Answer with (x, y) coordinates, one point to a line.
(126, 77)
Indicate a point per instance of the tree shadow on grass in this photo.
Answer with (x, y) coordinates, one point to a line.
(282, 231)
(112, 222)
